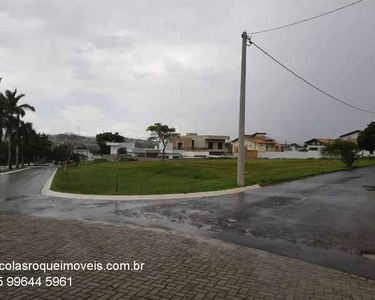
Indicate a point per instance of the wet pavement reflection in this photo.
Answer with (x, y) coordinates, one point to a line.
(328, 219)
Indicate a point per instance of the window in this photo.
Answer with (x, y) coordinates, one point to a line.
(220, 146)
(210, 145)
(192, 144)
(179, 146)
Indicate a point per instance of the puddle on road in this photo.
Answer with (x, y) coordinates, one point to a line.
(15, 197)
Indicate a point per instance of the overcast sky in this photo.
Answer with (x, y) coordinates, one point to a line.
(123, 65)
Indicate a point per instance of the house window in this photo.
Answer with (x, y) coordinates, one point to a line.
(267, 148)
(192, 144)
(220, 146)
(179, 146)
(210, 145)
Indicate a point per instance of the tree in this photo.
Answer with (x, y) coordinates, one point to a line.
(366, 139)
(40, 148)
(63, 153)
(120, 151)
(2, 120)
(229, 146)
(104, 137)
(161, 133)
(27, 134)
(76, 158)
(347, 150)
(13, 113)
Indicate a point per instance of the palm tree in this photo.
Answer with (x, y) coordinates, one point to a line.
(27, 132)
(14, 113)
(2, 120)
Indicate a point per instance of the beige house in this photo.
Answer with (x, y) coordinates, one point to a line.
(194, 145)
(257, 141)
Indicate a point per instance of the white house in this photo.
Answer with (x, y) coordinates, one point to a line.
(353, 136)
(295, 147)
(115, 146)
(132, 150)
(317, 144)
(85, 152)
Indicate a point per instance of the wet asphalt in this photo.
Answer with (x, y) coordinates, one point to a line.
(327, 220)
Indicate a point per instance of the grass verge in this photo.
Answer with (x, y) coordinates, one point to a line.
(186, 176)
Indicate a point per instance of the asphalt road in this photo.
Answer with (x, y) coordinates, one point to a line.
(327, 220)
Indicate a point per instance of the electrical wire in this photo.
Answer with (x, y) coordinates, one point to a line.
(310, 84)
(306, 20)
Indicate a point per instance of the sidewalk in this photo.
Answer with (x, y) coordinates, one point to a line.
(6, 172)
(176, 267)
(46, 190)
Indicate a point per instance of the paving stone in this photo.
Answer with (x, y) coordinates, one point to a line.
(176, 266)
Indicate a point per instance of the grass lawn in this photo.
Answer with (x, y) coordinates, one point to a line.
(185, 176)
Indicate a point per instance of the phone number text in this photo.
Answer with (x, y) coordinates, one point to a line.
(36, 281)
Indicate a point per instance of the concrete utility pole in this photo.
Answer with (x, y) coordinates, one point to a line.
(117, 163)
(241, 128)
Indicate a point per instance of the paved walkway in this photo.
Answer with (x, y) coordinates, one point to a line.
(176, 267)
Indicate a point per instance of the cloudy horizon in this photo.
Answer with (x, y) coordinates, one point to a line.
(123, 65)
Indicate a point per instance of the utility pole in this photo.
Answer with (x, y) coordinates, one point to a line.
(117, 163)
(241, 128)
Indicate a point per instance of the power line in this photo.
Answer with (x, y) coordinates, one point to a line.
(310, 84)
(306, 20)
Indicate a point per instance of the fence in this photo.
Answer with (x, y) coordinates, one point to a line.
(292, 155)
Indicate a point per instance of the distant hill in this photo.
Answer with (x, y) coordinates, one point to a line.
(60, 138)
(90, 142)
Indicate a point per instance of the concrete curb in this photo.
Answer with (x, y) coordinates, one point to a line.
(46, 190)
(15, 171)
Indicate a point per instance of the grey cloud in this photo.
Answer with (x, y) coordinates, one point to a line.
(178, 62)
(109, 42)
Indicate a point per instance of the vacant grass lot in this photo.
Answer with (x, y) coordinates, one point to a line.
(185, 176)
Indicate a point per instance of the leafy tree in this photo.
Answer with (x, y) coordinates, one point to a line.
(161, 133)
(13, 113)
(145, 143)
(76, 158)
(122, 150)
(104, 137)
(347, 150)
(63, 153)
(229, 146)
(366, 139)
(41, 148)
